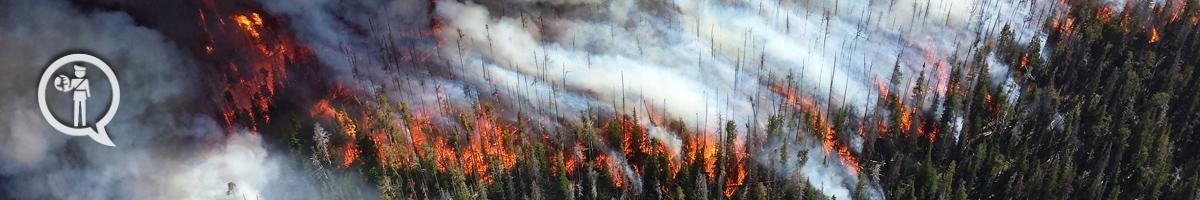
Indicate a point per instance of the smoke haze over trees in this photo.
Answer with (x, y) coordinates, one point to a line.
(615, 99)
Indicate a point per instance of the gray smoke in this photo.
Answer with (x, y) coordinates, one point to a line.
(165, 148)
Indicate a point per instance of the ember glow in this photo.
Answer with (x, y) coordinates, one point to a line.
(1153, 35)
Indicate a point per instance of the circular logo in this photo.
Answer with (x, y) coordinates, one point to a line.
(77, 86)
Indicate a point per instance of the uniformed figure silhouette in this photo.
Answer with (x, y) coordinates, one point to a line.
(78, 86)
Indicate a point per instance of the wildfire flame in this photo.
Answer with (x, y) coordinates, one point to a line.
(881, 87)
(906, 120)
(349, 154)
(1104, 14)
(820, 124)
(604, 163)
(250, 23)
(737, 175)
(323, 109)
(253, 59)
(1065, 24)
(940, 66)
(987, 99)
(1153, 35)
(1024, 61)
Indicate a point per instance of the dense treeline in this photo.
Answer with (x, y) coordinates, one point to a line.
(1111, 114)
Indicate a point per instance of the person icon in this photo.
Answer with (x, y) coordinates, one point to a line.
(68, 76)
(80, 91)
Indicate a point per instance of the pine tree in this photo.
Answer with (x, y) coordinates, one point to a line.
(947, 181)
(860, 187)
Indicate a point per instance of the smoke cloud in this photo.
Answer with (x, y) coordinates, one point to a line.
(165, 148)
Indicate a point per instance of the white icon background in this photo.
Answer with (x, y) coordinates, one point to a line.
(76, 85)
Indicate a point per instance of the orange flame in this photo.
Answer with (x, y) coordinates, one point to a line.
(848, 158)
(819, 124)
(738, 166)
(940, 67)
(987, 99)
(1176, 9)
(933, 132)
(1104, 14)
(883, 88)
(920, 129)
(1065, 25)
(349, 154)
(1024, 61)
(905, 120)
(604, 163)
(1153, 35)
(672, 162)
(475, 155)
(250, 23)
(707, 147)
(572, 159)
(323, 109)
(383, 149)
(251, 78)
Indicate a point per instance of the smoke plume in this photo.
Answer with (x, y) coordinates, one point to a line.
(166, 148)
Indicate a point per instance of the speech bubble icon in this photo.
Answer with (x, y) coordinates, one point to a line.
(97, 130)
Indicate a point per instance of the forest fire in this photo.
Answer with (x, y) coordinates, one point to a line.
(933, 134)
(987, 100)
(489, 142)
(323, 109)
(349, 154)
(447, 99)
(384, 149)
(604, 163)
(1153, 35)
(927, 131)
(821, 126)
(1176, 8)
(789, 94)
(673, 165)
(905, 120)
(738, 164)
(940, 66)
(702, 146)
(881, 87)
(1024, 61)
(848, 158)
(475, 155)
(1104, 14)
(573, 157)
(255, 57)
(250, 23)
(1065, 24)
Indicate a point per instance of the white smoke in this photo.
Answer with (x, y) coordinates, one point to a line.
(165, 148)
